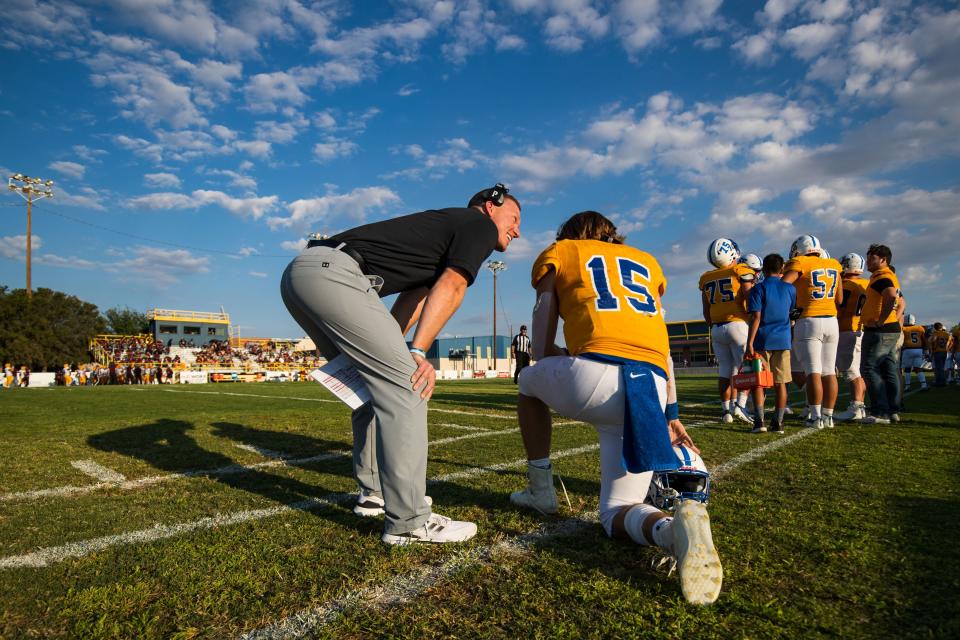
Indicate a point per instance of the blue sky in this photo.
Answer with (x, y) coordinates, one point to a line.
(195, 144)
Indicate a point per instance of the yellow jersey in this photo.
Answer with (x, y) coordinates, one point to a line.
(851, 308)
(721, 287)
(874, 305)
(609, 298)
(941, 341)
(914, 337)
(818, 284)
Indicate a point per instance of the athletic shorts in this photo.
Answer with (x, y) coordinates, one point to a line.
(778, 363)
(848, 354)
(729, 344)
(912, 359)
(582, 389)
(816, 343)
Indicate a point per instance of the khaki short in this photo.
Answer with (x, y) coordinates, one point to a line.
(778, 362)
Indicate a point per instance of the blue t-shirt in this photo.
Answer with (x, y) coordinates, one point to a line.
(774, 299)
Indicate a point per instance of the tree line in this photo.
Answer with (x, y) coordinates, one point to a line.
(50, 328)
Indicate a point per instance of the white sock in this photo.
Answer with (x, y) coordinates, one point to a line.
(828, 413)
(540, 463)
(923, 378)
(633, 524)
(727, 405)
(780, 413)
(814, 411)
(742, 399)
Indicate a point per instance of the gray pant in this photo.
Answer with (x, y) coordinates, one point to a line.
(328, 295)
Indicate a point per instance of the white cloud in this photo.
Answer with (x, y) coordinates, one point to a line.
(255, 148)
(237, 179)
(333, 148)
(757, 48)
(279, 132)
(829, 10)
(809, 40)
(161, 267)
(86, 153)
(454, 154)
(70, 169)
(294, 245)
(510, 42)
(160, 180)
(252, 207)
(257, 274)
(224, 133)
(325, 209)
(407, 90)
(776, 10)
(15, 247)
(246, 252)
(266, 92)
(86, 198)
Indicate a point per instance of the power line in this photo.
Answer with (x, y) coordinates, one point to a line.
(155, 241)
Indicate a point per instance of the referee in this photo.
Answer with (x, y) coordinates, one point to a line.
(333, 290)
(520, 348)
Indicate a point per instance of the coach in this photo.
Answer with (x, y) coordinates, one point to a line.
(333, 290)
(881, 330)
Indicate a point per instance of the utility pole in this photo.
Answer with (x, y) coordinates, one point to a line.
(30, 189)
(495, 266)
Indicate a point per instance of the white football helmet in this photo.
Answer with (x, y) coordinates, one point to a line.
(824, 253)
(723, 252)
(910, 320)
(752, 260)
(805, 245)
(690, 482)
(853, 263)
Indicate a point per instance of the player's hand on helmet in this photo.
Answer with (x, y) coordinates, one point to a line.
(425, 376)
(679, 436)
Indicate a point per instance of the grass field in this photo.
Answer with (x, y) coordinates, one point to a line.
(219, 511)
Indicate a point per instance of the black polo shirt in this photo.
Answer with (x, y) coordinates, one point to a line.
(412, 251)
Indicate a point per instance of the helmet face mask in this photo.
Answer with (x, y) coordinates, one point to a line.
(723, 252)
(805, 245)
(690, 482)
(853, 263)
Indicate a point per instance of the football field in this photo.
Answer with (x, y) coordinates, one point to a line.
(225, 511)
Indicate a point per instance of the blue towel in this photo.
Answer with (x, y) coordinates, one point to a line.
(646, 440)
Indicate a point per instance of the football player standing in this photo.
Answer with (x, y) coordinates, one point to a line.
(911, 357)
(724, 291)
(851, 334)
(618, 376)
(816, 335)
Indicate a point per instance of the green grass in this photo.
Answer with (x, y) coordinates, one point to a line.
(847, 533)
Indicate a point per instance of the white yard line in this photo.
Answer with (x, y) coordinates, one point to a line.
(98, 471)
(461, 427)
(404, 588)
(266, 453)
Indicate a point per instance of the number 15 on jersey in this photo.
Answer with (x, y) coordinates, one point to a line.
(628, 271)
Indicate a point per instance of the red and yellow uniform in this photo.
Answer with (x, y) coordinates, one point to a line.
(722, 290)
(914, 337)
(941, 341)
(609, 299)
(818, 284)
(851, 308)
(874, 304)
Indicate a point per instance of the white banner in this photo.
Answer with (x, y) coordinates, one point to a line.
(193, 377)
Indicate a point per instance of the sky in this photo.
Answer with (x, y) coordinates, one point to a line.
(194, 145)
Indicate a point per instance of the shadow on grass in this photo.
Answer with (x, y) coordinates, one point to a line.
(926, 585)
(168, 445)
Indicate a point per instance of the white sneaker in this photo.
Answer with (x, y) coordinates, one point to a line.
(894, 417)
(726, 417)
(827, 422)
(370, 505)
(539, 494)
(741, 415)
(788, 411)
(853, 412)
(875, 420)
(436, 529)
(701, 574)
(813, 423)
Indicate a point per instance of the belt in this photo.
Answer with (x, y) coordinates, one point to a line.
(342, 246)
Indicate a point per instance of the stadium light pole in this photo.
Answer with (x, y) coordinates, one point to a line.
(495, 267)
(30, 189)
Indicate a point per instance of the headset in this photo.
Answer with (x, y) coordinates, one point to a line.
(495, 194)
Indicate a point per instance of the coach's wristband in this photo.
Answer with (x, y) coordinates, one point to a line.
(419, 352)
(672, 412)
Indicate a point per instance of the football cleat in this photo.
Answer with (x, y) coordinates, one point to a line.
(701, 574)
(813, 423)
(827, 422)
(437, 529)
(776, 426)
(723, 252)
(853, 412)
(540, 494)
(726, 418)
(691, 481)
(805, 245)
(741, 415)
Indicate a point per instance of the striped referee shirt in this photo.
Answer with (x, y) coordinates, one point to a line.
(521, 343)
